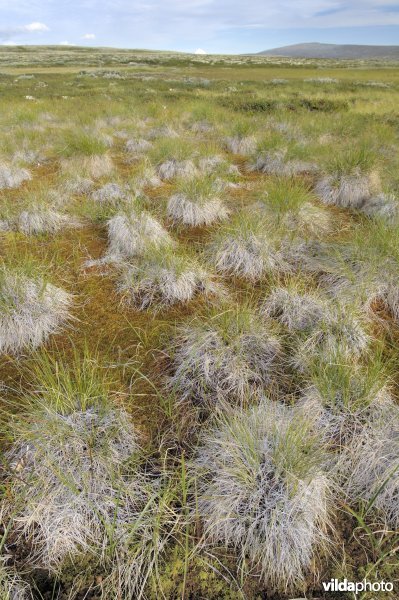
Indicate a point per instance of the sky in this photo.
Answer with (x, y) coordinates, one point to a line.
(216, 26)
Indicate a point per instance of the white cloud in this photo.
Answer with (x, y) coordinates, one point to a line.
(8, 43)
(65, 43)
(191, 23)
(199, 51)
(35, 26)
(195, 17)
(8, 33)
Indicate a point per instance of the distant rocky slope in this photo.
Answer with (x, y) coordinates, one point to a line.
(316, 50)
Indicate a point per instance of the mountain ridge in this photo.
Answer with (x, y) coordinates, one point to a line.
(320, 50)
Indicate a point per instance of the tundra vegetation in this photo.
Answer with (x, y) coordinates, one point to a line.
(199, 325)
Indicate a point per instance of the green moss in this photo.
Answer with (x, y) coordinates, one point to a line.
(205, 578)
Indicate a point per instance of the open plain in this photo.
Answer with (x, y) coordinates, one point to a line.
(199, 325)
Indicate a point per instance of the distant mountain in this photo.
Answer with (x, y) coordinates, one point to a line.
(315, 50)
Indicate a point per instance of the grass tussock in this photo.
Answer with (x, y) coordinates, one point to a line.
(352, 180)
(78, 185)
(43, 220)
(348, 191)
(231, 355)
(31, 310)
(111, 193)
(83, 144)
(137, 145)
(243, 145)
(169, 169)
(247, 247)
(263, 490)
(345, 397)
(276, 163)
(196, 204)
(172, 159)
(77, 491)
(12, 177)
(88, 167)
(291, 204)
(133, 232)
(163, 278)
(294, 308)
(372, 468)
(338, 333)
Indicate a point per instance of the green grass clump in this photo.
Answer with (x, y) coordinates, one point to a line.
(80, 143)
(282, 195)
(352, 161)
(171, 149)
(65, 386)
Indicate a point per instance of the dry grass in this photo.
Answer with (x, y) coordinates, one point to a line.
(12, 177)
(263, 491)
(31, 310)
(229, 356)
(248, 248)
(132, 233)
(164, 278)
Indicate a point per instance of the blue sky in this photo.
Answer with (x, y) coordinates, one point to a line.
(217, 26)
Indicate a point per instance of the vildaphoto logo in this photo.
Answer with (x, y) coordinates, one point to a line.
(335, 585)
